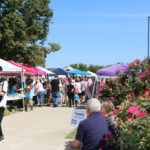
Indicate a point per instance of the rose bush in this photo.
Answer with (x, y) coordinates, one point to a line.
(130, 93)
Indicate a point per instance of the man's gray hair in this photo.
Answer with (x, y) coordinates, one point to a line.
(94, 105)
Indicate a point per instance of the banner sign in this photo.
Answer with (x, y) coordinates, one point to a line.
(78, 115)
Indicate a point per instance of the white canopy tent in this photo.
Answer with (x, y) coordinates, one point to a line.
(7, 68)
(92, 74)
(45, 70)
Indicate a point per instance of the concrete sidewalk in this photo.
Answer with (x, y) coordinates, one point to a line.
(44, 128)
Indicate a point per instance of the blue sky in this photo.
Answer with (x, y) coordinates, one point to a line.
(99, 32)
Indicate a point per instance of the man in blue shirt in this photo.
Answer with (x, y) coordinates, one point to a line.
(92, 132)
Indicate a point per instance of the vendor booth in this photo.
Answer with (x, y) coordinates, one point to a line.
(92, 74)
(79, 72)
(45, 70)
(25, 70)
(35, 70)
(60, 71)
(9, 70)
(111, 71)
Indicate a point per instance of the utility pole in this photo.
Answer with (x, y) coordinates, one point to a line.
(148, 41)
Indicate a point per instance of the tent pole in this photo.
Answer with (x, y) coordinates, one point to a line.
(22, 77)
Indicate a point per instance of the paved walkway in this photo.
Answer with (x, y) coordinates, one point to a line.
(42, 129)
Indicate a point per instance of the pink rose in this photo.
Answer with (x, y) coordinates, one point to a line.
(115, 112)
(105, 115)
(109, 133)
(144, 61)
(129, 117)
(131, 93)
(118, 106)
(106, 139)
(142, 114)
(133, 109)
(100, 89)
(142, 76)
(109, 90)
(112, 98)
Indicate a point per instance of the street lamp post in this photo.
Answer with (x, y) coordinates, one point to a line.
(148, 40)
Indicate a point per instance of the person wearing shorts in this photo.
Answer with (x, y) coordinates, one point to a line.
(29, 96)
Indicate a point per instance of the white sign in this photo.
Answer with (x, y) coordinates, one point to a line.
(77, 116)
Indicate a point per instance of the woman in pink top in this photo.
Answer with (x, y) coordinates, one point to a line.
(77, 91)
(40, 92)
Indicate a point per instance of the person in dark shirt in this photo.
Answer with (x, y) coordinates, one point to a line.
(70, 93)
(55, 91)
(92, 132)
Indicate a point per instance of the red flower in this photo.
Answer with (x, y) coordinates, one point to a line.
(142, 76)
(112, 98)
(100, 89)
(133, 109)
(146, 91)
(129, 117)
(115, 112)
(142, 114)
(144, 61)
(109, 90)
(106, 139)
(105, 115)
(109, 133)
(131, 93)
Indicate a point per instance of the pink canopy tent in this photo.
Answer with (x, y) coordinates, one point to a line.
(25, 69)
(35, 70)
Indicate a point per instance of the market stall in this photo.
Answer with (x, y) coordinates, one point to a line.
(111, 71)
(60, 71)
(35, 70)
(92, 74)
(79, 72)
(45, 70)
(25, 69)
(9, 70)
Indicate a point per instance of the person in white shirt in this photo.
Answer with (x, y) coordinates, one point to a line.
(83, 88)
(3, 100)
(40, 91)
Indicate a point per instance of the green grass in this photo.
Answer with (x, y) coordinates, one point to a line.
(72, 134)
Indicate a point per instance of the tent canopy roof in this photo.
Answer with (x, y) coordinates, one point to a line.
(79, 72)
(46, 70)
(60, 71)
(9, 68)
(35, 70)
(92, 73)
(111, 71)
(25, 69)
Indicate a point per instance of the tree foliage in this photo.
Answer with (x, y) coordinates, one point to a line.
(24, 24)
(84, 67)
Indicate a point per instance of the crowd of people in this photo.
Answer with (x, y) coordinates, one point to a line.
(60, 92)
(67, 92)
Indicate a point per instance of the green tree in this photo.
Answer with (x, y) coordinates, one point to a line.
(24, 25)
(84, 67)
